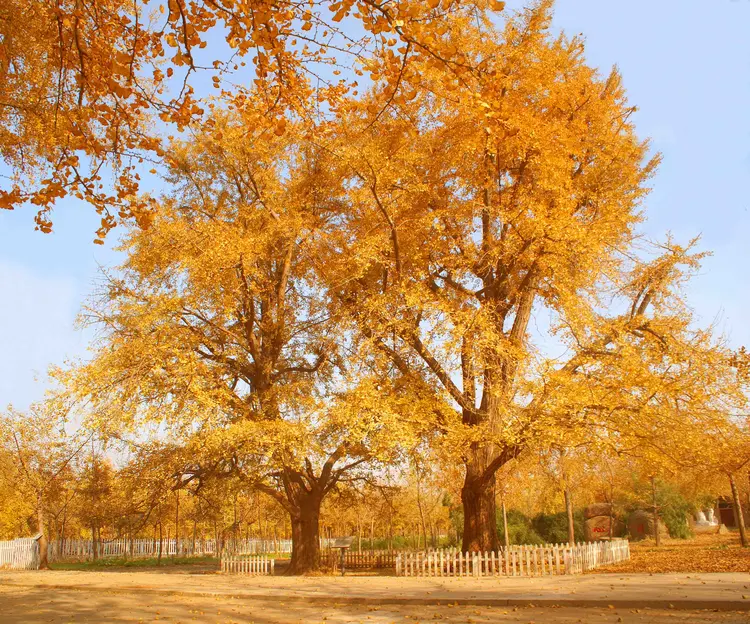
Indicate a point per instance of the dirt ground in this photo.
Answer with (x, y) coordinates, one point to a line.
(703, 553)
(26, 605)
(183, 593)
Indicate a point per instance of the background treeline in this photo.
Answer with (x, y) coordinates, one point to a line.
(74, 488)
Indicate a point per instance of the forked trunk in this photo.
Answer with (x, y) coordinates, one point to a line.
(478, 499)
(306, 536)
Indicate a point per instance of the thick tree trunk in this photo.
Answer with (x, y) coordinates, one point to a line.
(739, 516)
(306, 535)
(569, 512)
(478, 499)
(43, 564)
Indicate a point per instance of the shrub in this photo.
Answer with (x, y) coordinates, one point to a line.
(553, 528)
(673, 510)
(520, 529)
(673, 506)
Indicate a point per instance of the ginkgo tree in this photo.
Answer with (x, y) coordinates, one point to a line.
(215, 329)
(478, 203)
(39, 458)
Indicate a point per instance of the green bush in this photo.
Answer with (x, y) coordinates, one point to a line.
(544, 528)
(553, 528)
(520, 529)
(403, 542)
(674, 509)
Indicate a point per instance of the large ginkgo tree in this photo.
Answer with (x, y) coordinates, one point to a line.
(493, 223)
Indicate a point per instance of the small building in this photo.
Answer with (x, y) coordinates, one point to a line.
(725, 512)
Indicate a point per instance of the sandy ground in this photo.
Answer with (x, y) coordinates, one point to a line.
(28, 605)
(658, 590)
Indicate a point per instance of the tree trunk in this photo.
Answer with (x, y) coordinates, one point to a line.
(657, 537)
(569, 512)
(739, 516)
(372, 536)
(195, 530)
(43, 564)
(306, 535)
(62, 530)
(611, 502)
(94, 549)
(158, 560)
(478, 498)
(390, 530)
(505, 527)
(177, 524)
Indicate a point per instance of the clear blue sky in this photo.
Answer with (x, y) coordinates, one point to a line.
(686, 64)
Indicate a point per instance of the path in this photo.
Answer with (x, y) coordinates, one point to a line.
(25, 605)
(725, 591)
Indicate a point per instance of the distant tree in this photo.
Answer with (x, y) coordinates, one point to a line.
(41, 459)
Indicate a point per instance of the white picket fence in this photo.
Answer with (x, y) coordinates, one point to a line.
(249, 565)
(259, 547)
(19, 554)
(79, 549)
(531, 560)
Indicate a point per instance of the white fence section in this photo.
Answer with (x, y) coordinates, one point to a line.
(249, 565)
(544, 560)
(259, 547)
(77, 549)
(19, 554)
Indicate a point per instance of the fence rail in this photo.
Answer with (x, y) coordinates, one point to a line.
(248, 565)
(81, 549)
(19, 554)
(544, 560)
(378, 559)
